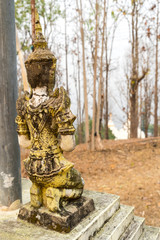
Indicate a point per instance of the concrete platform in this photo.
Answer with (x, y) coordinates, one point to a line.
(135, 229)
(116, 226)
(109, 221)
(105, 206)
(150, 233)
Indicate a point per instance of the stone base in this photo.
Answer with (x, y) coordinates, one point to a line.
(63, 221)
(109, 220)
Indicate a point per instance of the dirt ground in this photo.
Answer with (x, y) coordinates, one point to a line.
(130, 169)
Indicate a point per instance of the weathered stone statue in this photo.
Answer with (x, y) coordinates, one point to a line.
(43, 115)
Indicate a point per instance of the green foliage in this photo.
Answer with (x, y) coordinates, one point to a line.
(110, 134)
(49, 12)
(82, 128)
(113, 14)
(90, 23)
(22, 18)
(151, 129)
(102, 133)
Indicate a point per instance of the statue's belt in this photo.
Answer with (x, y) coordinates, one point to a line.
(47, 153)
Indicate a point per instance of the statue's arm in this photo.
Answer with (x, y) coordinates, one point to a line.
(23, 132)
(24, 141)
(64, 120)
(22, 126)
(67, 142)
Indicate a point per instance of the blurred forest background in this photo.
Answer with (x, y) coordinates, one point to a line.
(99, 73)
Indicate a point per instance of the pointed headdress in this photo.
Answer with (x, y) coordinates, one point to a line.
(41, 63)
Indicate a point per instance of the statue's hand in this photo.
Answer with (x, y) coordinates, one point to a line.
(67, 142)
(24, 141)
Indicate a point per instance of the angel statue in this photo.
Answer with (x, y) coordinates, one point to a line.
(45, 126)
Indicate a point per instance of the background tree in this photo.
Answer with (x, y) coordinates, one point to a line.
(156, 71)
(133, 13)
(66, 45)
(100, 93)
(87, 56)
(33, 18)
(80, 11)
(95, 77)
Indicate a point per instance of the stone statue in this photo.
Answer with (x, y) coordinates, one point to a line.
(43, 116)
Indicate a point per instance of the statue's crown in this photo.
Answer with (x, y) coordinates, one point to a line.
(41, 63)
(39, 40)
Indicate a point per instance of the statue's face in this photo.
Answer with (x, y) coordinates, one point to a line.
(41, 73)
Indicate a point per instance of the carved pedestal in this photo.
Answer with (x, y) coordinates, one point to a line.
(63, 221)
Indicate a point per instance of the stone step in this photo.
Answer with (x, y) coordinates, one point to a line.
(116, 226)
(105, 207)
(150, 233)
(134, 230)
(109, 221)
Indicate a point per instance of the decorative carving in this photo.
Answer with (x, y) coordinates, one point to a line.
(43, 115)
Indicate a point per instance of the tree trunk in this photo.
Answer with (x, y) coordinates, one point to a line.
(133, 128)
(21, 59)
(10, 171)
(101, 112)
(79, 95)
(156, 78)
(134, 77)
(66, 47)
(33, 19)
(148, 100)
(106, 102)
(99, 106)
(146, 112)
(106, 77)
(94, 83)
(84, 73)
